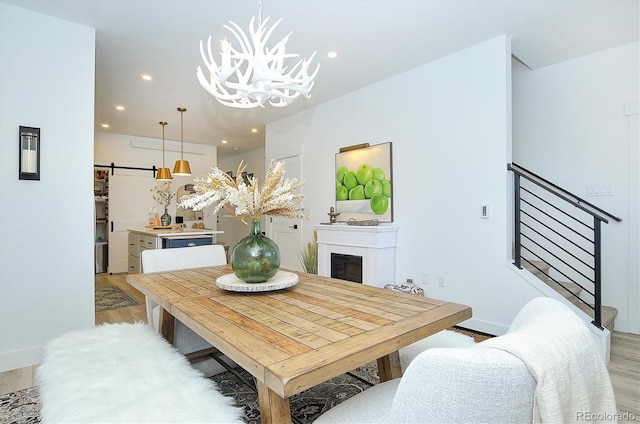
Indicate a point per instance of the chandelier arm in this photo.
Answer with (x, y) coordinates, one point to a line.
(241, 37)
(255, 74)
(279, 54)
(221, 74)
(263, 36)
(239, 105)
(208, 59)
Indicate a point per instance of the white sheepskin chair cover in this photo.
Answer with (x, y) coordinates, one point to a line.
(444, 338)
(125, 373)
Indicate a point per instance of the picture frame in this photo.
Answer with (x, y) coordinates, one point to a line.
(364, 183)
(29, 153)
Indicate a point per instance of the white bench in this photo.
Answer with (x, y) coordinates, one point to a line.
(121, 373)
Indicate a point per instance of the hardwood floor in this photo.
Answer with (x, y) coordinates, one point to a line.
(624, 369)
(130, 314)
(624, 365)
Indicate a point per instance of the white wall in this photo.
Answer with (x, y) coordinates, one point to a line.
(572, 125)
(130, 191)
(46, 230)
(450, 125)
(121, 150)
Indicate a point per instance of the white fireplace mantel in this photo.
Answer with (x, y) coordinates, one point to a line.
(375, 244)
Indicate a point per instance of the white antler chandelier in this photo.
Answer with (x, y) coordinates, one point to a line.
(248, 77)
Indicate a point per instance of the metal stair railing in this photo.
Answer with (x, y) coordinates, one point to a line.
(563, 231)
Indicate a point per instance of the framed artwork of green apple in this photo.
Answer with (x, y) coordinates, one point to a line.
(364, 184)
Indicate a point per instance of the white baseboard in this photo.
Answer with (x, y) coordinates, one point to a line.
(20, 358)
(484, 326)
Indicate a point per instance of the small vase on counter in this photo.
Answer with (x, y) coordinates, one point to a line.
(165, 219)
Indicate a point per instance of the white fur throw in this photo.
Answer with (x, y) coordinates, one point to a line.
(125, 373)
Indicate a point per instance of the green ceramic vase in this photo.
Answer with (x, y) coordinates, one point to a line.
(256, 258)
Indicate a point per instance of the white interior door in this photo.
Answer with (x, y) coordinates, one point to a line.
(287, 233)
(126, 190)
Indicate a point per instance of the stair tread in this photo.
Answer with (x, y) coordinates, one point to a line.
(607, 314)
(537, 268)
(574, 289)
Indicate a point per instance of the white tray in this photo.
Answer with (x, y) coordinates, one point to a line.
(282, 280)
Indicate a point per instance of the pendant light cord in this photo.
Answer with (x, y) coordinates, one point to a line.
(163, 124)
(182, 111)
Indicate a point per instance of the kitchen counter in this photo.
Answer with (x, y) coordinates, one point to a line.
(175, 232)
(149, 238)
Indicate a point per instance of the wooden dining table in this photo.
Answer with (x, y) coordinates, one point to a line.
(296, 338)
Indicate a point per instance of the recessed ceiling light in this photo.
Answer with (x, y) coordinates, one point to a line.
(224, 141)
(120, 107)
(235, 149)
(105, 125)
(332, 55)
(254, 130)
(146, 77)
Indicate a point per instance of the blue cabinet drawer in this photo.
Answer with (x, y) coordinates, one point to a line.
(186, 242)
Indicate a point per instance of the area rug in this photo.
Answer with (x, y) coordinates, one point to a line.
(23, 407)
(112, 297)
(307, 405)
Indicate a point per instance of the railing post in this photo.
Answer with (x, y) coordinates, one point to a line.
(516, 213)
(597, 271)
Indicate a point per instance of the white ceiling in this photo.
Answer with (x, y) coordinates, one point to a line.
(374, 40)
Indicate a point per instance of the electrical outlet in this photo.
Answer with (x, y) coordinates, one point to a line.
(440, 280)
(425, 279)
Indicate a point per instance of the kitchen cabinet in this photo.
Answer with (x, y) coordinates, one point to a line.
(141, 240)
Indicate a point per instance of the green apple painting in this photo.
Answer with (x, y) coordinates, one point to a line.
(364, 184)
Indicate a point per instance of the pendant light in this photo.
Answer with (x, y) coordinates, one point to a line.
(181, 167)
(163, 173)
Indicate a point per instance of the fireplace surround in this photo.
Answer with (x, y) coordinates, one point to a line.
(376, 245)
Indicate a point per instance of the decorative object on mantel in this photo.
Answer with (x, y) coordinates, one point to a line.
(182, 167)
(332, 215)
(363, 182)
(163, 195)
(29, 145)
(366, 222)
(256, 258)
(163, 173)
(248, 77)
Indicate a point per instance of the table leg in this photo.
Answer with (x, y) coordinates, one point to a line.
(166, 325)
(273, 408)
(389, 367)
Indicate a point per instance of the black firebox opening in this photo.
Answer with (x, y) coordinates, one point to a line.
(346, 267)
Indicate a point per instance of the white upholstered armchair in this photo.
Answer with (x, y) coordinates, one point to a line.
(184, 339)
(547, 368)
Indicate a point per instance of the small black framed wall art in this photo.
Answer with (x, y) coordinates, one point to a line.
(29, 153)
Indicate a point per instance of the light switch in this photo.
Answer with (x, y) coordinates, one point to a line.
(484, 211)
